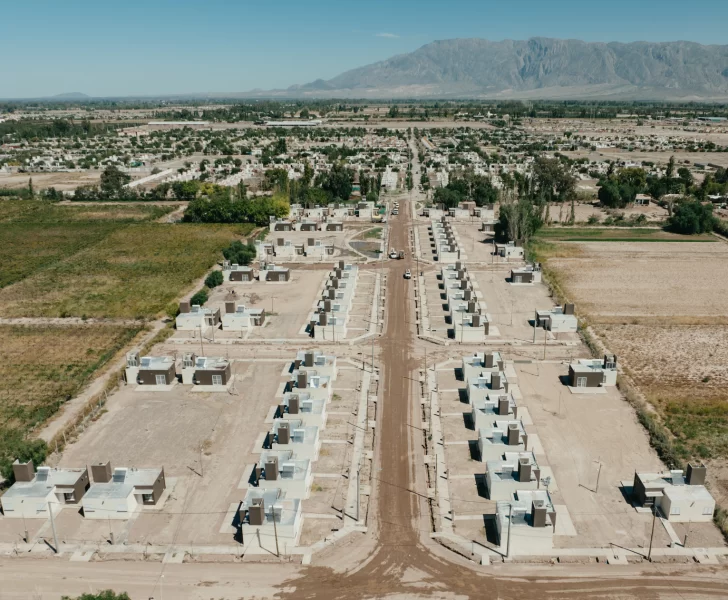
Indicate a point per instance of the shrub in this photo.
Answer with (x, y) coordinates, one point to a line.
(105, 595)
(199, 298)
(13, 446)
(214, 279)
(239, 253)
(690, 218)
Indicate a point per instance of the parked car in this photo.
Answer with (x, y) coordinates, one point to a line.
(407, 274)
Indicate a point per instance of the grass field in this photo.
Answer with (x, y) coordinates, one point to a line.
(133, 272)
(37, 235)
(42, 367)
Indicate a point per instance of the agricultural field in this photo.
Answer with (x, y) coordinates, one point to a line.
(660, 307)
(119, 268)
(44, 366)
(37, 235)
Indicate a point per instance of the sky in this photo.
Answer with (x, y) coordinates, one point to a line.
(157, 47)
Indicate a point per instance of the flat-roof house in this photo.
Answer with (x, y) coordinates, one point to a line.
(281, 225)
(196, 317)
(501, 436)
(509, 251)
(240, 274)
(528, 520)
(531, 273)
(513, 472)
(150, 370)
(680, 496)
(334, 226)
(256, 514)
(593, 372)
(307, 226)
(301, 406)
(470, 327)
(318, 385)
(212, 371)
(285, 470)
(486, 383)
(295, 435)
(558, 319)
(239, 317)
(33, 494)
(478, 362)
(118, 494)
(276, 274)
(315, 360)
(318, 248)
(494, 405)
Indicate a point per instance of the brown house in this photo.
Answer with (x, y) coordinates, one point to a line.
(283, 226)
(212, 371)
(334, 227)
(157, 370)
(278, 274)
(244, 274)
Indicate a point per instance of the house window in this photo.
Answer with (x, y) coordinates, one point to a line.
(674, 510)
(69, 497)
(518, 279)
(581, 382)
(148, 498)
(707, 510)
(217, 380)
(161, 380)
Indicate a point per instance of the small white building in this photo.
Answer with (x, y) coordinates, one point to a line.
(307, 360)
(593, 372)
(296, 436)
(256, 514)
(485, 384)
(515, 471)
(680, 497)
(500, 437)
(284, 470)
(119, 494)
(558, 319)
(239, 317)
(527, 275)
(196, 317)
(528, 521)
(300, 406)
(496, 405)
(509, 251)
(478, 362)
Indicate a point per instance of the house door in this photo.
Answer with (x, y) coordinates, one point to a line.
(161, 380)
(217, 380)
(518, 279)
(581, 382)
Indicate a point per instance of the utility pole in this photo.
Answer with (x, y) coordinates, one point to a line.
(202, 348)
(652, 535)
(358, 484)
(275, 529)
(596, 491)
(56, 548)
(510, 524)
(545, 335)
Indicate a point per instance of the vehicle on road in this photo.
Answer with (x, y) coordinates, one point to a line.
(392, 253)
(408, 274)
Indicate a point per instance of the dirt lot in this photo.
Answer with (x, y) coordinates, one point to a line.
(666, 322)
(676, 280)
(60, 181)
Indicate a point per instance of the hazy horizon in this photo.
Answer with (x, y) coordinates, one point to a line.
(164, 48)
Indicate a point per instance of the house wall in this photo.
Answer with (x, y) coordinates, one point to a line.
(245, 276)
(277, 276)
(204, 376)
(593, 378)
(34, 508)
(149, 376)
(109, 508)
(156, 490)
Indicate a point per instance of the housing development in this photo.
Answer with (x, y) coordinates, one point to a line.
(364, 350)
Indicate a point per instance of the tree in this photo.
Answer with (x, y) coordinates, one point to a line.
(517, 220)
(690, 218)
(634, 177)
(338, 182)
(304, 114)
(113, 182)
(31, 191)
(199, 298)
(240, 254)
(609, 195)
(447, 196)
(13, 446)
(105, 595)
(214, 279)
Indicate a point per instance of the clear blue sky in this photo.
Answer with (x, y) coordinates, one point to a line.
(113, 48)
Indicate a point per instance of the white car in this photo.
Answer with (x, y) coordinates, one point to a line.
(392, 253)
(407, 274)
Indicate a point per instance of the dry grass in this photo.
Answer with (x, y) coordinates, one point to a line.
(660, 307)
(42, 367)
(133, 272)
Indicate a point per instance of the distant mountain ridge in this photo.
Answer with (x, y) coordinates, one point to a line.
(537, 68)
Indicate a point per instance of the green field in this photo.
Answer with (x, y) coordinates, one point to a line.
(36, 235)
(133, 272)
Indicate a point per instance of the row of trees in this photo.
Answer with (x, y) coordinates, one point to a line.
(225, 207)
(467, 187)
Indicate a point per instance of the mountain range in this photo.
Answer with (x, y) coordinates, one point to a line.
(537, 68)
